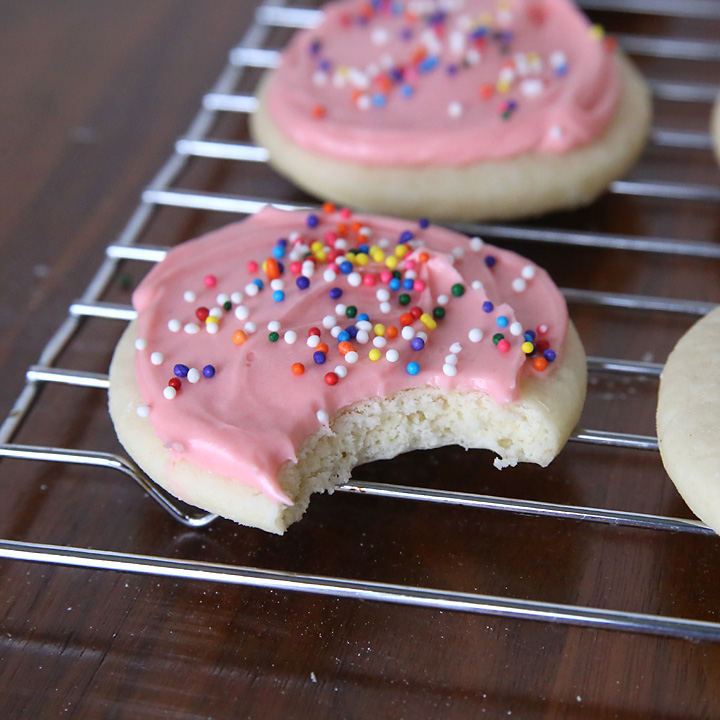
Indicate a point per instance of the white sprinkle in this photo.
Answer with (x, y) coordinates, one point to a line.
(472, 56)
(250, 327)
(241, 312)
(385, 308)
(556, 132)
(273, 326)
(313, 341)
(222, 298)
(329, 321)
(174, 325)
(169, 392)
(451, 359)
(336, 331)
(516, 328)
(379, 341)
(477, 285)
(251, 289)
(442, 299)
(379, 36)
(449, 370)
(193, 375)
(531, 87)
(457, 42)
(392, 355)
(329, 275)
(212, 328)
(456, 348)
(351, 357)
(354, 279)
(341, 244)
(308, 269)
(277, 284)
(362, 337)
(528, 272)
(341, 371)
(143, 411)
(290, 337)
(157, 358)
(140, 344)
(340, 309)
(558, 59)
(383, 243)
(506, 75)
(542, 329)
(319, 78)
(215, 312)
(364, 325)
(459, 253)
(422, 335)
(410, 274)
(475, 335)
(189, 296)
(407, 333)
(519, 285)
(363, 102)
(455, 109)
(192, 329)
(322, 417)
(236, 298)
(476, 244)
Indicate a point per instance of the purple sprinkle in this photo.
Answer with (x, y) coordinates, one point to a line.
(181, 370)
(208, 371)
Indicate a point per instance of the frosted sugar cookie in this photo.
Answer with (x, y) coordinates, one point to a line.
(271, 357)
(453, 109)
(688, 418)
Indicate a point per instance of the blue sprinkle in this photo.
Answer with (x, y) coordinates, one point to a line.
(303, 283)
(417, 343)
(502, 321)
(487, 306)
(428, 64)
(208, 371)
(424, 223)
(362, 316)
(259, 283)
(407, 90)
(352, 331)
(549, 355)
(180, 370)
(364, 248)
(319, 357)
(413, 368)
(343, 336)
(379, 100)
(335, 293)
(529, 335)
(394, 284)
(408, 284)
(278, 295)
(490, 261)
(312, 221)
(406, 236)
(346, 267)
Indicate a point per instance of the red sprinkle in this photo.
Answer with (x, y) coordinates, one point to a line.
(313, 331)
(252, 266)
(416, 312)
(175, 383)
(331, 378)
(202, 313)
(210, 281)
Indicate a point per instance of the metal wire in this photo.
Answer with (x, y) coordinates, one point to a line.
(252, 53)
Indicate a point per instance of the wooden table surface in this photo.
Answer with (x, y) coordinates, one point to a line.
(93, 96)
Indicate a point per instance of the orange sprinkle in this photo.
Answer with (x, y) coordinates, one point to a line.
(298, 368)
(418, 55)
(318, 112)
(239, 337)
(406, 319)
(485, 91)
(272, 268)
(345, 347)
(540, 363)
(610, 43)
(356, 225)
(342, 229)
(328, 207)
(423, 257)
(391, 332)
(323, 348)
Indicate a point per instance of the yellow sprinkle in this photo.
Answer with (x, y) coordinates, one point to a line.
(321, 255)
(379, 329)
(362, 259)
(597, 32)
(401, 250)
(211, 319)
(503, 86)
(391, 262)
(428, 321)
(375, 354)
(377, 253)
(527, 347)
(316, 246)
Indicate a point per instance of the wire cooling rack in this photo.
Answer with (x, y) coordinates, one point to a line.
(257, 52)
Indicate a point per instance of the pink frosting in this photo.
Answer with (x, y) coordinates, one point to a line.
(248, 419)
(445, 81)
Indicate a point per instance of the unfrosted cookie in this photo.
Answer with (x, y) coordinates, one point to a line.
(688, 418)
(454, 110)
(271, 357)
